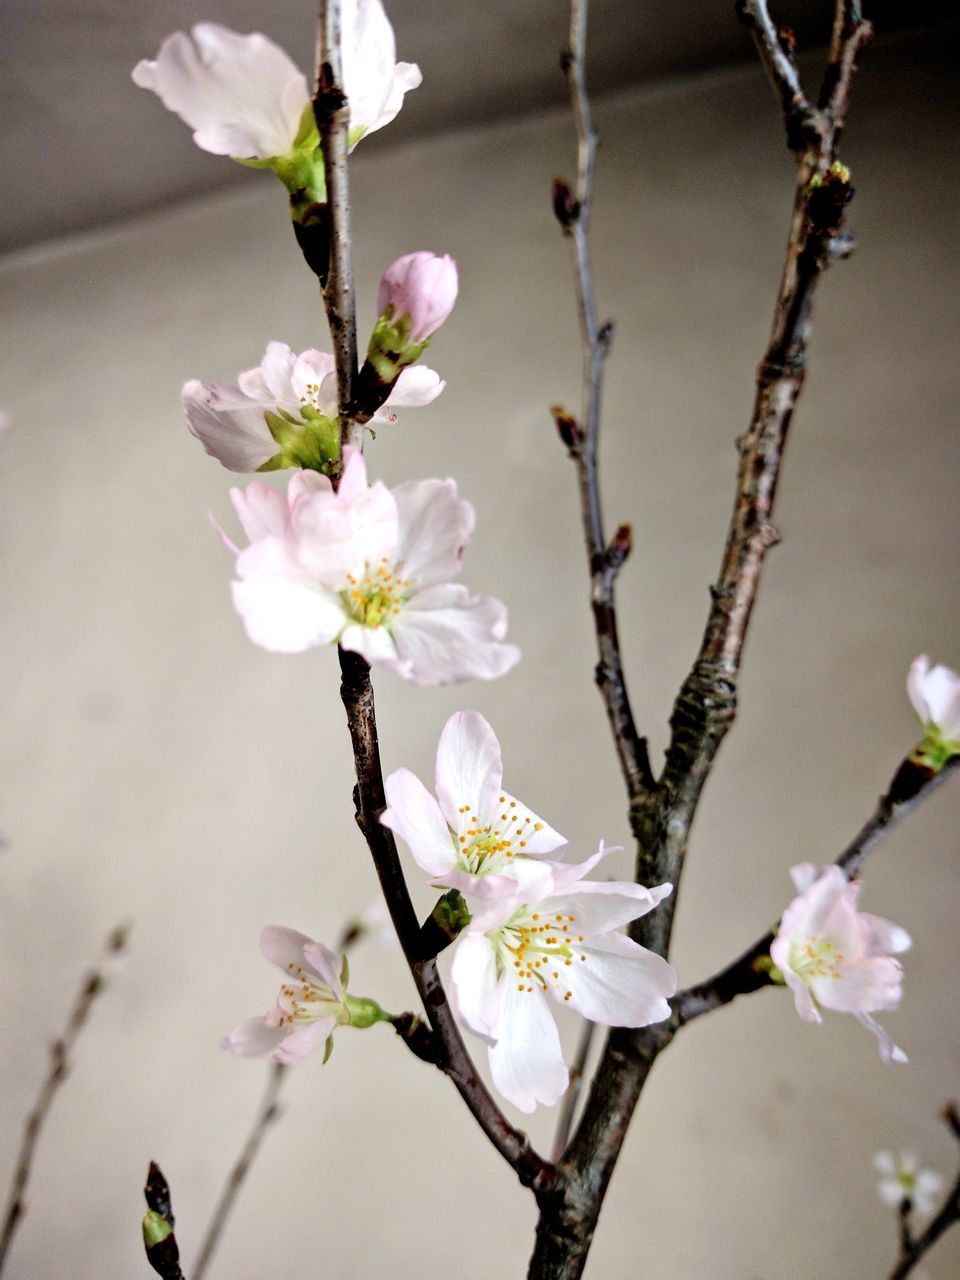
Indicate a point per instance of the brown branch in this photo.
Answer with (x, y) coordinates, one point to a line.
(332, 113)
(910, 786)
(913, 1248)
(582, 438)
(92, 986)
(662, 812)
(159, 1238)
(447, 1045)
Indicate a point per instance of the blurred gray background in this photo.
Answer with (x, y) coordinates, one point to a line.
(156, 766)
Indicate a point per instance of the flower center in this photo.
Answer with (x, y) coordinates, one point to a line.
(375, 599)
(485, 847)
(302, 1001)
(538, 947)
(311, 396)
(816, 958)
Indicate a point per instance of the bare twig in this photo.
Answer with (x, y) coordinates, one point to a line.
(912, 1248)
(911, 785)
(447, 1043)
(159, 1238)
(569, 1105)
(332, 113)
(92, 986)
(582, 437)
(268, 1112)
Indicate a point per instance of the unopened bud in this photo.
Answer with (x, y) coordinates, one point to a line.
(620, 546)
(566, 207)
(829, 197)
(419, 290)
(568, 428)
(787, 39)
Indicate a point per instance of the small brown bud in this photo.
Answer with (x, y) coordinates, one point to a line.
(621, 544)
(829, 198)
(568, 428)
(787, 39)
(566, 207)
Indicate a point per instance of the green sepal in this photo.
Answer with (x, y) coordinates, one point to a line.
(344, 973)
(312, 443)
(765, 964)
(452, 912)
(327, 1050)
(390, 350)
(156, 1229)
(935, 750)
(363, 1012)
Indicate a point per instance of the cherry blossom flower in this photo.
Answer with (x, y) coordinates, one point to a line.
(368, 568)
(311, 1004)
(244, 97)
(902, 1179)
(419, 289)
(566, 945)
(935, 694)
(833, 956)
(284, 413)
(474, 836)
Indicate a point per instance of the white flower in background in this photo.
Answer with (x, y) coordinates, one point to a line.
(833, 956)
(474, 836)
(903, 1179)
(566, 946)
(935, 694)
(311, 1004)
(368, 568)
(284, 413)
(244, 97)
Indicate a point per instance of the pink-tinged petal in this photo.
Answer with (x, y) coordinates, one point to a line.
(305, 1040)
(538, 836)
(229, 425)
(219, 530)
(353, 481)
(308, 372)
(417, 385)
(282, 609)
(619, 984)
(339, 535)
(286, 949)
(241, 94)
(375, 645)
(474, 975)
(304, 483)
(254, 1038)
(261, 510)
(521, 880)
(415, 816)
(598, 906)
(827, 909)
(434, 527)
(527, 1062)
(803, 1001)
(885, 935)
(448, 636)
(861, 988)
(325, 964)
(276, 369)
(803, 875)
(469, 771)
(422, 287)
(889, 1051)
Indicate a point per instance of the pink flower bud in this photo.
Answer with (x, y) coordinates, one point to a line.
(421, 286)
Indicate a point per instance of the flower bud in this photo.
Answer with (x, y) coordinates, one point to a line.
(421, 288)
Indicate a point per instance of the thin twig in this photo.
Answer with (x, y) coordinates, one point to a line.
(582, 437)
(451, 1053)
(911, 785)
(913, 1248)
(268, 1112)
(332, 113)
(569, 1105)
(92, 986)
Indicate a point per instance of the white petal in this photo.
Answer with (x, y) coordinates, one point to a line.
(228, 424)
(283, 610)
(448, 636)
(254, 1038)
(375, 645)
(414, 815)
(417, 385)
(889, 1051)
(598, 906)
(887, 936)
(305, 1040)
(803, 876)
(325, 964)
(522, 824)
(520, 880)
(474, 974)
(276, 369)
(262, 511)
(619, 984)
(526, 1062)
(286, 948)
(434, 527)
(885, 1162)
(890, 1192)
(469, 770)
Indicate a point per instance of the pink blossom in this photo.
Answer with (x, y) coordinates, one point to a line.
(422, 288)
(370, 569)
(833, 956)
